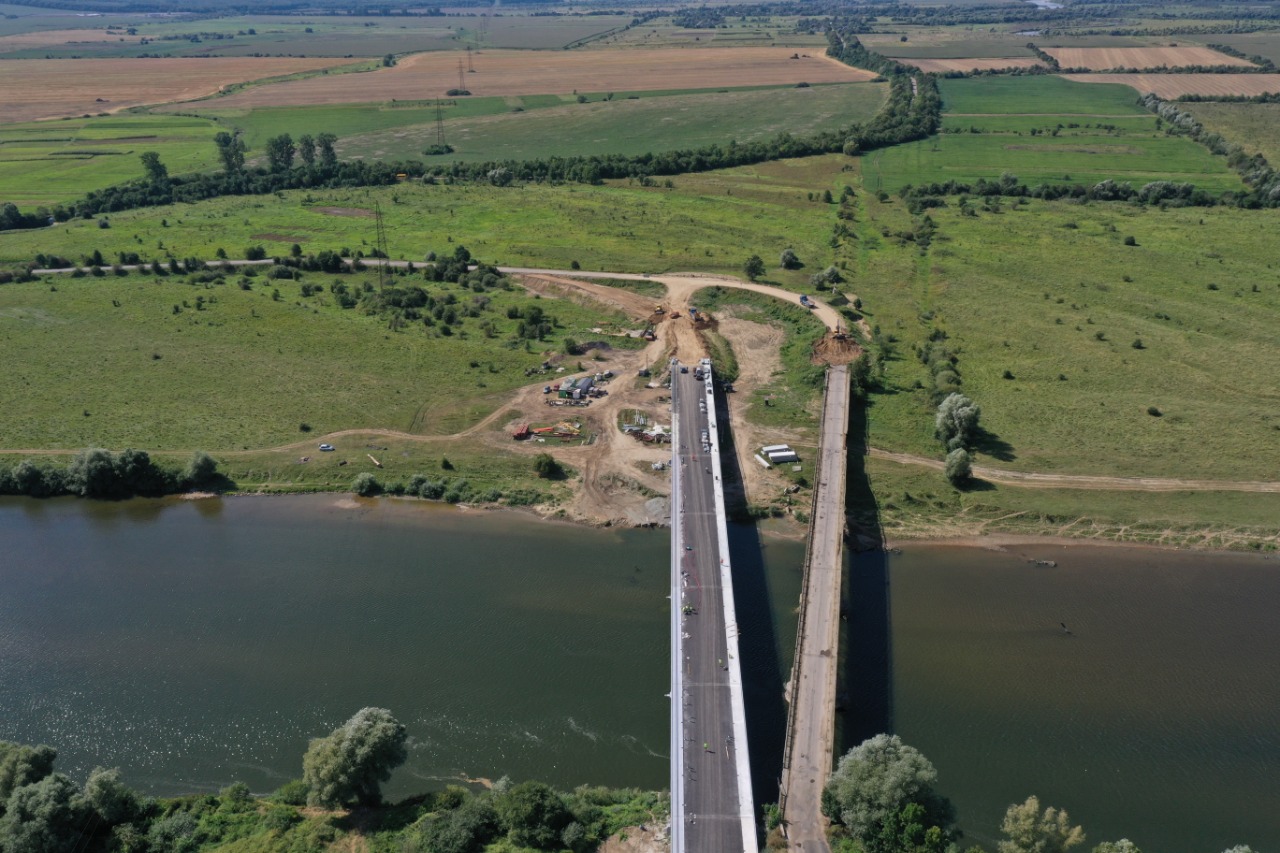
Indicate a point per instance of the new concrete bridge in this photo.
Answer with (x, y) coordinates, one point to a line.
(712, 808)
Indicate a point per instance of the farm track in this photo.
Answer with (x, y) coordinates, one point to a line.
(684, 341)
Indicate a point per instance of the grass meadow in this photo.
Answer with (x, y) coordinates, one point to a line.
(1046, 130)
(712, 222)
(544, 125)
(1050, 294)
(50, 162)
(1255, 127)
(1037, 95)
(159, 363)
(633, 126)
(913, 502)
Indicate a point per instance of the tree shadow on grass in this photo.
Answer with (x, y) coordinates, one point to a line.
(993, 445)
(975, 484)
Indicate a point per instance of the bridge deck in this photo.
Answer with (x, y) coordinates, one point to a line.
(811, 725)
(712, 808)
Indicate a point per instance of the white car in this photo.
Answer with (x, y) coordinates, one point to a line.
(326, 447)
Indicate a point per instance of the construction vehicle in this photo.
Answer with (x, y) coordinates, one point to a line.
(658, 309)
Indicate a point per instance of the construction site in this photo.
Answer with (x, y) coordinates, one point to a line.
(618, 438)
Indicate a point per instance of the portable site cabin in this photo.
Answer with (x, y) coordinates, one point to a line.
(775, 448)
(780, 456)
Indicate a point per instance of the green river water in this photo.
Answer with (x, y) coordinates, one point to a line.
(197, 643)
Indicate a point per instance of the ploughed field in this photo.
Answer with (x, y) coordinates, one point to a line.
(502, 72)
(1101, 58)
(53, 88)
(1169, 86)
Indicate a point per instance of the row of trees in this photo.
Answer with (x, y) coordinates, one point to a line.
(97, 473)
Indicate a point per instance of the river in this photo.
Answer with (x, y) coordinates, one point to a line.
(1157, 717)
(194, 643)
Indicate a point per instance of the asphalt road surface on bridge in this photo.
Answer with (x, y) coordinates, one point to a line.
(711, 814)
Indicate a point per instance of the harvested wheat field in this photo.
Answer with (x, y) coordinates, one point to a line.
(1169, 86)
(1101, 58)
(50, 38)
(942, 66)
(51, 88)
(523, 72)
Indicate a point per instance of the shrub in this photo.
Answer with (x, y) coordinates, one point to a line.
(366, 485)
(546, 467)
(959, 467)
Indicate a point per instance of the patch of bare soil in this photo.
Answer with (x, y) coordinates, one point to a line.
(835, 349)
(757, 347)
(637, 839)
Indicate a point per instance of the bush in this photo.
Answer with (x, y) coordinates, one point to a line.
(959, 467)
(292, 793)
(366, 485)
(546, 467)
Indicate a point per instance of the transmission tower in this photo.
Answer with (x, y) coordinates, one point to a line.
(470, 66)
(380, 237)
(439, 124)
(461, 88)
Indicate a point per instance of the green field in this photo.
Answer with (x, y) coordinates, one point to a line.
(1050, 293)
(1069, 158)
(666, 118)
(241, 370)
(1254, 127)
(1046, 130)
(51, 162)
(710, 221)
(1265, 44)
(633, 126)
(736, 31)
(913, 502)
(1037, 95)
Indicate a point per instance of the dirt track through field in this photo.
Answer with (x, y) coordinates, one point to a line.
(1085, 481)
(32, 89)
(522, 72)
(1171, 86)
(1140, 57)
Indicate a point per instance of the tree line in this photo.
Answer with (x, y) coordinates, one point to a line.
(43, 811)
(97, 473)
